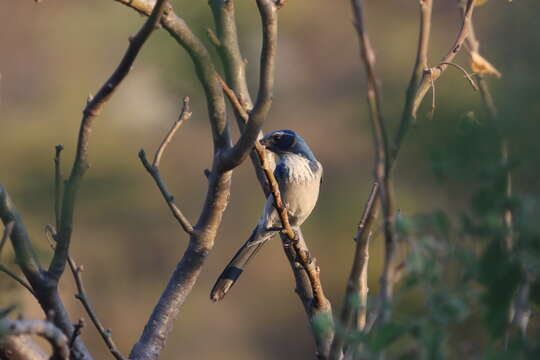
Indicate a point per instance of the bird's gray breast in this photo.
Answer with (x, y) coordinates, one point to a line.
(299, 179)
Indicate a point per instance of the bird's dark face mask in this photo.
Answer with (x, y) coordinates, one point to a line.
(280, 141)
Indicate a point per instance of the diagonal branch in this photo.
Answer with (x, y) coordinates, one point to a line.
(91, 111)
(81, 296)
(43, 287)
(306, 272)
(153, 169)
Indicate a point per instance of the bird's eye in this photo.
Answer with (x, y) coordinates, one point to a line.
(277, 137)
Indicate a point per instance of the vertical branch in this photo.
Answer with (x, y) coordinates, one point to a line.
(357, 285)
(382, 160)
(91, 111)
(355, 300)
(421, 65)
(58, 178)
(235, 71)
(234, 156)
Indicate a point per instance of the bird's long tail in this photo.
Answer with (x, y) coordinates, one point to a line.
(234, 269)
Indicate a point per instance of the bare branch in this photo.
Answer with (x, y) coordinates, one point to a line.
(235, 72)
(382, 162)
(45, 329)
(185, 114)
(8, 228)
(106, 334)
(355, 301)
(24, 252)
(204, 67)
(437, 70)
(234, 156)
(43, 287)
(14, 276)
(153, 169)
(76, 333)
(421, 64)
(58, 179)
(91, 111)
(467, 76)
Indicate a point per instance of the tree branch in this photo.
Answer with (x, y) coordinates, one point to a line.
(435, 72)
(45, 329)
(354, 308)
(234, 156)
(14, 276)
(234, 65)
(58, 179)
(43, 287)
(106, 334)
(91, 111)
(153, 169)
(204, 67)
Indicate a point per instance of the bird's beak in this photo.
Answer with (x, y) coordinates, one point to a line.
(264, 142)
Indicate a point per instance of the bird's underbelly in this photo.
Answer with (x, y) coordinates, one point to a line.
(300, 200)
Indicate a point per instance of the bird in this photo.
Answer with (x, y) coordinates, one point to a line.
(299, 175)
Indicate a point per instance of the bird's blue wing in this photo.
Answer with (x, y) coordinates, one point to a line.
(281, 173)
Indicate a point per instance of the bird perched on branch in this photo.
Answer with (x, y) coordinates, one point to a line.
(299, 175)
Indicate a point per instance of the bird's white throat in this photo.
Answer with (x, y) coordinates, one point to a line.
(298, 169)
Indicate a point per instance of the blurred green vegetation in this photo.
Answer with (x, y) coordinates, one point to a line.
(454, 297)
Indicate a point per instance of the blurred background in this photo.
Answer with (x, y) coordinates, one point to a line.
(55, 53)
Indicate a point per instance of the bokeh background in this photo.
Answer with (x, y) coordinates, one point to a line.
(55, 53)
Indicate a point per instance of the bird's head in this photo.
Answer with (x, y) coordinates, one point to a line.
(284, 142)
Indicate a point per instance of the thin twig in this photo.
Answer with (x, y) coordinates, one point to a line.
(467, 76)
(153, 169)
(76, 332)
(14, 276)
(8, 228)
(437, 70)
(42, 328)
(92, 109)
(106, 334)
(185, 114)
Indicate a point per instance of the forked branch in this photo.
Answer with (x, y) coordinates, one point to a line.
(91, 111)
(153, 169)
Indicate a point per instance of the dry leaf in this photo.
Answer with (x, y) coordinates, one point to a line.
(481, 66)
(479, 2)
